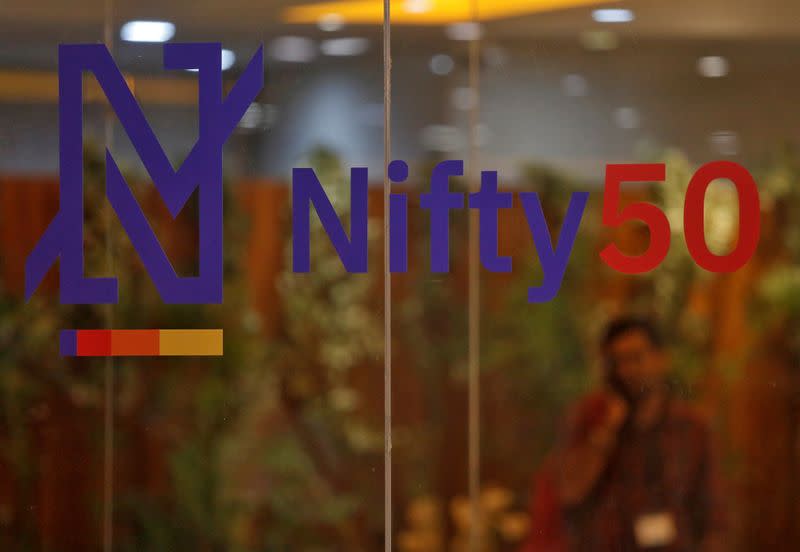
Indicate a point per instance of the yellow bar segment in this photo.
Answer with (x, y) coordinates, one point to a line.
(190, 342)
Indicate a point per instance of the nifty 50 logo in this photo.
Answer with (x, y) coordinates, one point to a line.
(202, 170)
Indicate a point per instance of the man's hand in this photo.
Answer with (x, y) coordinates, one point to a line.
(613, 412)
(589, 445)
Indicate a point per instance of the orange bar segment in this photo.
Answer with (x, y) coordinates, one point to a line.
(134, 343)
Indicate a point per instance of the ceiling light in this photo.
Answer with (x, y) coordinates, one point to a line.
(599, 41)
(147, 31)
(344, 46)
(441, 64)
(627, 118)
(443, 138)
(228, 59)
(613, 15)
(417, 6)
(292, 49)
(331, 22)
(725, 142)
(469, 30)
(464, 98)
(252, 118)
(259, 117)
(482, 135)
(713, 66)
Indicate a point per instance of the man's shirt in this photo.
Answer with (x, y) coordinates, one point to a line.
(658, 490)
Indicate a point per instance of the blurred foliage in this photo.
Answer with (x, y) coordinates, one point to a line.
(149, 392)
(776, 305)
(276, 446)
(541, 348)
(310, 420)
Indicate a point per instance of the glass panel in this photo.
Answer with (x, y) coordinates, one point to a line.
(432, 100)
(51, 426)
(278, 444)
(521, 420)
(610, 438)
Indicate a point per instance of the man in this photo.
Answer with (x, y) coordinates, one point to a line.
(635, 471)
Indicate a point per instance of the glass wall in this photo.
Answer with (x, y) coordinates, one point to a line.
(537, 389)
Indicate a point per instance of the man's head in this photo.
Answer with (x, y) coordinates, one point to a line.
(634, 356)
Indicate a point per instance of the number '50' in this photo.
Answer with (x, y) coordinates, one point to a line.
(693, 219)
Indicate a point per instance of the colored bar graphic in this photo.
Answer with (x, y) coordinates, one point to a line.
(129, 343)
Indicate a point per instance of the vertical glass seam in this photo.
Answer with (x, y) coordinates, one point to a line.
(474, 295)
(387, 281)
(108, 369)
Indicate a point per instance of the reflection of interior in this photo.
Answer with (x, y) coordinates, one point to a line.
(557, 87)
(279, 446)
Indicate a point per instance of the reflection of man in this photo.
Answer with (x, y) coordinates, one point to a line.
(635, 470)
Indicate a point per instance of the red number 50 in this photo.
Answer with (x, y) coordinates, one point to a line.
(749, 217)
(693, 217)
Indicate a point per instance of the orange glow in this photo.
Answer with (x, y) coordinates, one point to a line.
(426, 12)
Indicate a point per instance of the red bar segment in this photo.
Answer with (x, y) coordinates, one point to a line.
(94, 342)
